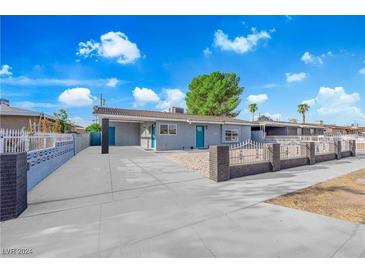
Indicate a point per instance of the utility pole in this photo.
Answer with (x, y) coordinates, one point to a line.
(102, 100)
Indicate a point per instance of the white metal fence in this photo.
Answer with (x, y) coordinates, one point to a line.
(324, 147)
(13, 140)
(345, 145)
(360, 145)
(293, 150)
(248, 152)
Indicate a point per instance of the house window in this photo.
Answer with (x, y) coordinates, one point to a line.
(168, 129)
(231, 135)
(172, 129)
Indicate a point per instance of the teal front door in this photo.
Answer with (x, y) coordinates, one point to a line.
(199, 136)
(153, 138)
(112, 136)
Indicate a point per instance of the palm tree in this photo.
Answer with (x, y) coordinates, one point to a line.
(302, 109)
(253, 108)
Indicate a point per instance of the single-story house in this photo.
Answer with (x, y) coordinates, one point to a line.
(336, 130)
(261, 129)
(168, 130)
(16, 118)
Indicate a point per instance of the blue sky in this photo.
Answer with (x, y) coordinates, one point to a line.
(147, 62)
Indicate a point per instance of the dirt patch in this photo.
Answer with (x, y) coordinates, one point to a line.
(194, 160)
(342, 197)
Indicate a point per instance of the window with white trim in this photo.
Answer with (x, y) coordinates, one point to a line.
(168, 129)
(231, 135)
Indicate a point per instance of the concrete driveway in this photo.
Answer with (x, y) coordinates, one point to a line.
(133, 203)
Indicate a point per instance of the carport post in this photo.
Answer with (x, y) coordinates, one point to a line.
(104, 136)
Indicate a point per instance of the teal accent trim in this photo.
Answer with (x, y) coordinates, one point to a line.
(200, 136)
(111, 136)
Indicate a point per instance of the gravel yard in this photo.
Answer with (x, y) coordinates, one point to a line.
(196, 160)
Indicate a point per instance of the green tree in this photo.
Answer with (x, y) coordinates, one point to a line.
(62, 118)
(214, 94)
(302, 109)
(252, 108)
(95, 127)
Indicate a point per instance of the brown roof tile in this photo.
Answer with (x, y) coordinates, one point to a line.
(167, 115)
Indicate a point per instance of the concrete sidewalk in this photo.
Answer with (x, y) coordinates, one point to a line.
(133, 203)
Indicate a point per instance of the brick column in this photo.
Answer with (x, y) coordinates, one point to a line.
(219, 163)
(311, 153)
(105, 136)
(13, 185)
(338, 146)
(275, 156)
(353, 147)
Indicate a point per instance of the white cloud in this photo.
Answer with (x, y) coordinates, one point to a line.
(362, 71)
(144, 96)
(80, 121)
(174, 98)
(113, 82)
(5, 70)
(337, 104)
(239, 44)
(76, 97)
(309, 102)
(26, 81)
(309, 58)
(257, 99)
(112, 45)
(295, 77)
(207, 52)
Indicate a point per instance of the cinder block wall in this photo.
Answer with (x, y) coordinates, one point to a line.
(43, 162)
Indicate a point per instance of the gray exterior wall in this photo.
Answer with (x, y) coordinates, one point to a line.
(244, 132)
(126, 134)
(186, 135)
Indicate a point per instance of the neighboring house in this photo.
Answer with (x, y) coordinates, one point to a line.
(280, 128)
(336, 130)
(169, 130)
(16, 118)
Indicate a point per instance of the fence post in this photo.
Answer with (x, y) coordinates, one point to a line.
(274, 156)
(219, 163)
(2, 143)
(352, 144)
(338, 149)
(311, 153)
